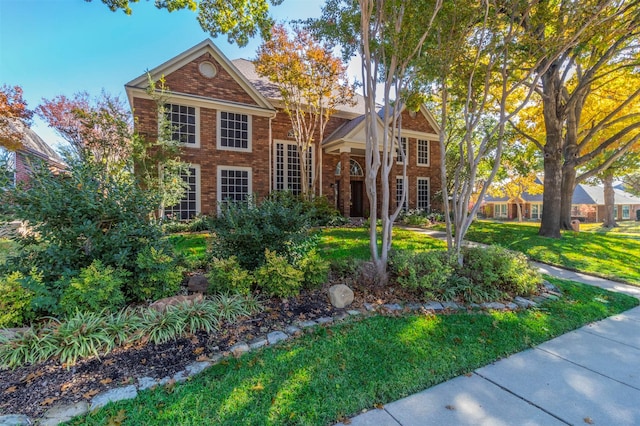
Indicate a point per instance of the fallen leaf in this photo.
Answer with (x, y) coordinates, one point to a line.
(49, 401)
(198, 351)
(450, 407)
(143, 361)
(90, 394)
(379, 406)
(117, 419)
(202, 358)
(346, 421)
(469, 374)
(588, 420)
(106, 381)
(11, 389)
(108, 362)
(65, 386)
(257, 387)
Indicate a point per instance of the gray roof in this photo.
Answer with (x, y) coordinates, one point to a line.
(34, 144)
(271, 91)
(583, 194)
(344, 130)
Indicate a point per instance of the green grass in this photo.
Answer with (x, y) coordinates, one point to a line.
(192, 246)
(626, 227)
(339, 371)
(608, 255)
(342, 243)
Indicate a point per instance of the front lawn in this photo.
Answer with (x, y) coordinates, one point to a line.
(338, 371)
(608, 255)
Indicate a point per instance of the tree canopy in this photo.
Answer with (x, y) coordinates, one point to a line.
(13, 108)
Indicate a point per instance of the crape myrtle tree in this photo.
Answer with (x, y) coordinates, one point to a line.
(312, 83)
(600, 52)
(388, 35)
(13, 108)
(238, 19)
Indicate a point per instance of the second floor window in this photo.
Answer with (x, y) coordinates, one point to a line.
(182, 119)
(235, 131)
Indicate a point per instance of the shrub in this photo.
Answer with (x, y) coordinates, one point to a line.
(197, 224)
(156, 275)
(227, 276)
(97, 287)
(425, 272)
(81, 335)
(246, 230)
(314, 269)
(277, 277)
(15, 303)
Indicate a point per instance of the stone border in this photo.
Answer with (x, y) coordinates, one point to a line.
(64, 413)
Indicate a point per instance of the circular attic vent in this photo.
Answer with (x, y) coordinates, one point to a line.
(207, 69)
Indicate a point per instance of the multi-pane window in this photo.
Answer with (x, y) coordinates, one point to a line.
(182, 120)
(422, 196)
(500, 211)
(626, 212)
(235, 131)
(401, 150)
(288, 168)
(575, 210)
(536, 211)
(615, 211)
(399, 193)
(234, 184)
(188, 207)
(423, 152)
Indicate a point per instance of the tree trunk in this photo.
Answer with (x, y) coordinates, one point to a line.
(519, 209)
(609, 201)
(568, 186)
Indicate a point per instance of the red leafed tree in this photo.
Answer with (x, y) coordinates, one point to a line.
(13, 108)
(97, 130)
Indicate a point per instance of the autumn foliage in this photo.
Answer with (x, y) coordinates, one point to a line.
(12, 108)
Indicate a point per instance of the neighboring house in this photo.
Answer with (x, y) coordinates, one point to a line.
(239, 141)
(587, 205)
(32, 149)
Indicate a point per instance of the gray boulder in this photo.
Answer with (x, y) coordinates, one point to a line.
(340, 296)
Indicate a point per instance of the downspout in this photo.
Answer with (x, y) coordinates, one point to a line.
(271, 177)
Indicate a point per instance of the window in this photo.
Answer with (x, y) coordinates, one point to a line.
(536, 211)
(184, 123)
(355, 169)
(626, 212)
(423, 152)
(401, 155)
(189, 205)
(615, 211)
(234, 183)
(399, 193)
(288, 168)
(500, 211)
(422, 196)
(234, 131)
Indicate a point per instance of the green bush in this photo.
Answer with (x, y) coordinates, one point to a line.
(425, 272)
(15, 303)
(227, 276)
(197, 224)
(246, 230)
(314, 269)
(277, 277)
(156, 275)
(97, 287)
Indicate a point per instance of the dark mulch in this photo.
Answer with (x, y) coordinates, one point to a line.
(32, 390)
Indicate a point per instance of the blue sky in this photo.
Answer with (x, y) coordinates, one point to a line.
(54, 47)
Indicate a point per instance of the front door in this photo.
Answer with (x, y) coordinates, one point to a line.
(356, 198)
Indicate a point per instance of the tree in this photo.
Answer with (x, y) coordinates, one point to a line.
(12, 108)
(389, 35)
(312, 83)
(239, 19)
(98, 131)
(599, 46)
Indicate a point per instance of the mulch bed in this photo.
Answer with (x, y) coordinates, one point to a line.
(33, 389)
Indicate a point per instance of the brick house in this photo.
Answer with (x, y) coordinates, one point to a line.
(239, 141)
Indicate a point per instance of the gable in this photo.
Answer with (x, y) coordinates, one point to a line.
(189, 74)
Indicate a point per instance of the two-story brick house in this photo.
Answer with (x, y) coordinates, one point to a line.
(239, 141)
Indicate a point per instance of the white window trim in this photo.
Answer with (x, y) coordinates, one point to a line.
(198, 187)
(628, 215)
(249, 132)
(539, 206)
(197, 113)
(495, 211)
(275, 161)
(428, 163)
(406, 151)
(405, 187)
(428, 179)
(219, 181)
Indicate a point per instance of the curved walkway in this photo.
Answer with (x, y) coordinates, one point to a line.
(588, 376)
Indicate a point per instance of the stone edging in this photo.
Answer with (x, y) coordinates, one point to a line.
(63, 413)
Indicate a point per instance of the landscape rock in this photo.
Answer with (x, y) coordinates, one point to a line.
(146, 383)
(162, 304)
(14, 420)
(353, 312)
(63, 413)
(511, 306)
(324, 320)
(292, 330)
(198, 284)
(450, 305)
(258, 342)
(393, 307)
(276, 336)
(239, 348)
(433, 306)
(113, 395)
(340, 296)
(369, 307)
(524, 303)
(493, 305)
(307, 324)
(197, 367)
(413, 306)
(340, 316)
(180, 376)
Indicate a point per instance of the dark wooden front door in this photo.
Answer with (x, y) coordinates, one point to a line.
(356, 199)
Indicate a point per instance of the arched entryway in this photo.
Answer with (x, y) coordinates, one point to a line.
(350, 203)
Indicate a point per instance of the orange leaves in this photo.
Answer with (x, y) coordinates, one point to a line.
(13, 112)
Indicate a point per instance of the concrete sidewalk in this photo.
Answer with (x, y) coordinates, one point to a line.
(588, 376)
